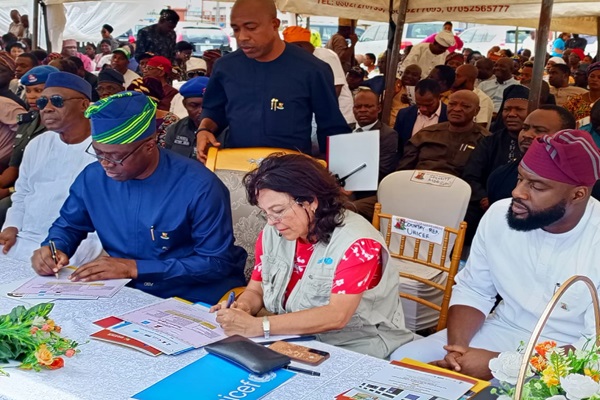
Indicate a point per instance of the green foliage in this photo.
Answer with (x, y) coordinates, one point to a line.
(23, 332)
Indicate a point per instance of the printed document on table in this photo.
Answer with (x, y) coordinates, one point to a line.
(49, 287)
(189, 323)
(165, 343)
(395, 382)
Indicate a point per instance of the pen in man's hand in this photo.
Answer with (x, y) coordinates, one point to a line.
(54, 257)
(230, 299)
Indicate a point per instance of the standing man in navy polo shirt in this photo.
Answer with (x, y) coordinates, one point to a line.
(267, 91)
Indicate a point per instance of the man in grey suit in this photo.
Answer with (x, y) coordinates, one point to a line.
(366, 112)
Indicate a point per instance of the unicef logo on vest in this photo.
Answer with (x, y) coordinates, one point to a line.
(327, 261)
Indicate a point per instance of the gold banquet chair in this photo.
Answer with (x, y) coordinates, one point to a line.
(431, 197)
(436, 263)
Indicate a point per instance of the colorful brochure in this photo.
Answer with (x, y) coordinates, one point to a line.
(409, 379)
(49, 287)
(171, 326)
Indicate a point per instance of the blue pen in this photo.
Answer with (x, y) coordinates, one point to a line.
(230, 299)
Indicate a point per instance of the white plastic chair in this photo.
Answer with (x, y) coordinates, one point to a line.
(411, 194)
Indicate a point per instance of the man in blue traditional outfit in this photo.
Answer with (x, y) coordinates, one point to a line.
(165, 220)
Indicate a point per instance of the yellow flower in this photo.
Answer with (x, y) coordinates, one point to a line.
(595, 375)
(550, 377)
(43, 355)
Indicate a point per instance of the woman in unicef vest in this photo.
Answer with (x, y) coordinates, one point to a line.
(320, 268)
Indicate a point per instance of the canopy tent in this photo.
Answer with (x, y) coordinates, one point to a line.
(82, 20)
(567, 16)
(582, 16)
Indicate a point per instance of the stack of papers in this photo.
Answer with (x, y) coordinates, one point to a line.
(171, 326)
(49, 287)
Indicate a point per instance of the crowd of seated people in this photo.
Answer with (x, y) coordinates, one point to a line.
(125, 129)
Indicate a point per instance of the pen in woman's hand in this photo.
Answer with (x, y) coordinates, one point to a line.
(230, 299)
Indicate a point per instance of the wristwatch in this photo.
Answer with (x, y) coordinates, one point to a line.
(266, 327)
(11, 190)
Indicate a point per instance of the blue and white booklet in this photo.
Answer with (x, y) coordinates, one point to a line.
(212, 377)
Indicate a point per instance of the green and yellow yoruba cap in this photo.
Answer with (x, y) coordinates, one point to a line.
(122, 118)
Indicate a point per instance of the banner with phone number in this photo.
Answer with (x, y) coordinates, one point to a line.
(525, 13)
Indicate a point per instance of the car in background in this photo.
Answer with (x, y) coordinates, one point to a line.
(483, 38)
(375, 38)
(203, 37)
(592, 45)
(124, 37)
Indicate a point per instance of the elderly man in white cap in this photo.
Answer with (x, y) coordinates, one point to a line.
(428, 55)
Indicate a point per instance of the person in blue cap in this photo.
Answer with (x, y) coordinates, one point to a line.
(50, 164)
(29, 126)
(164, 220)
(181, 136)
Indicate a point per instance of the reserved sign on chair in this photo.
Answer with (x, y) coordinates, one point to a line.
(432, 178)
(418, 229)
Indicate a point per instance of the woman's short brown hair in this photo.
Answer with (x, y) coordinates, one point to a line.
(304, 179)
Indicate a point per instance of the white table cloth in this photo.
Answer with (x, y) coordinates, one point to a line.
(107, 371)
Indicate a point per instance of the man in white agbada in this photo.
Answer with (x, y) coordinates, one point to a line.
(524, 248)
(428, 55)
(51, 163)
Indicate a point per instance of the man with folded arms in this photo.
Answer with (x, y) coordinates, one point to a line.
(164, 220)
(524, 248)
(447, 146)
(50, 164)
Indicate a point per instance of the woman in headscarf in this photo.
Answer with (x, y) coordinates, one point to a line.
(581, 105)
(454, 60)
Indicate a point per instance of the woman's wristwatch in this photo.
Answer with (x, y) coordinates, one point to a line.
(266, 327)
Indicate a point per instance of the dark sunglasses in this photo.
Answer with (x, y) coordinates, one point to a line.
(196, 73)
(57, 101)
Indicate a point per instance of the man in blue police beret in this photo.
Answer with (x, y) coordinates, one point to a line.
(164, 220)
(181, 136)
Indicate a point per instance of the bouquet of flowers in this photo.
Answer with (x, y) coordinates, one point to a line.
(32, 338)
(554, 373)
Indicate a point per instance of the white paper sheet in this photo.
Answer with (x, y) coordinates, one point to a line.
(347, 152)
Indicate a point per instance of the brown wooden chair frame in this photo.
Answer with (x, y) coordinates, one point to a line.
(451, 270)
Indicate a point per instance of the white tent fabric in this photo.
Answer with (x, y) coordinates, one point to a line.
(86, 18)
(82, 20)
(567, 15)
